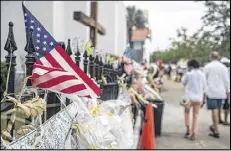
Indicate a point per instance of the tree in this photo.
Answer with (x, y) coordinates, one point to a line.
(136, 17)
(213, 35)
(217, 22)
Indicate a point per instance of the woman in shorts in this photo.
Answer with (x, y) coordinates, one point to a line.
(194, 82)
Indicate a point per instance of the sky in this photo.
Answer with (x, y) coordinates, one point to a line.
(165, 17)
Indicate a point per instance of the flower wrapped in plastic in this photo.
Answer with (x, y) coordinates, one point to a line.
(91, 133)
(106, 126)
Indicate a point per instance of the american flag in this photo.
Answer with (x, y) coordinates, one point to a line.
(54, 69)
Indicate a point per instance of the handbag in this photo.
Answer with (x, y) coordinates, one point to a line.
(185, 101)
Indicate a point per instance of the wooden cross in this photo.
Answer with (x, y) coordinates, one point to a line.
(91, 22)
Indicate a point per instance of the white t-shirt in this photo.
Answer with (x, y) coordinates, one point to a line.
(217, 80)
(195, 85)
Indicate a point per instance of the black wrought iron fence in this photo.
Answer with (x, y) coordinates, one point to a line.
(91, 64)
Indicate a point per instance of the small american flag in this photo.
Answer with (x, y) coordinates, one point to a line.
(54, 69)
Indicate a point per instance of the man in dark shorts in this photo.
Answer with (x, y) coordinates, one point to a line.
(218, 89)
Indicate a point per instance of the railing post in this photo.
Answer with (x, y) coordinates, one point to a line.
(104, 71)
(97, 67)
(100, 68)
(77, 56)
(85, 62)
(69, 52)
(30, 60)
(30, 57)
(100, 75)
(91, 66)
(105, 87)
(114, 74)
(10, 47)
(111, 72)
(112, 81)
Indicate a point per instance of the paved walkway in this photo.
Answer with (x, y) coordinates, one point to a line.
(173, 128)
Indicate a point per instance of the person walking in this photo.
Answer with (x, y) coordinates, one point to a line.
(169, 71)
(218, 89)
(194, 82)
(226, 105)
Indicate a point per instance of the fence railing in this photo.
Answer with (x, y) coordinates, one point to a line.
(93, 66)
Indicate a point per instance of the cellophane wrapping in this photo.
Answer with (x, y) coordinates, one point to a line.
(85, 124)
(107, 125)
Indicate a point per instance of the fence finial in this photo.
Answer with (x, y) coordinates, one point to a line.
(10, 42)
(68, 50)
(30, 57)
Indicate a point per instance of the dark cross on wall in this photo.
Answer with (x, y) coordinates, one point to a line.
(91, 21)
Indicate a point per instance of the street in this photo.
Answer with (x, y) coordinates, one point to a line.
(173, 127)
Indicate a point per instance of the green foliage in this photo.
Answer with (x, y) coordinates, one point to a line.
(213, 35)
(3, 74)
(135, 17)
(217, 23)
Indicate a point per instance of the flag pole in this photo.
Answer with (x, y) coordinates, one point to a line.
(24, 3)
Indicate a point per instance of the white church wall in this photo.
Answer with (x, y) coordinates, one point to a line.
(74, 28)
(121, 27)
(106, 19)
(112, 15)
(57, 18)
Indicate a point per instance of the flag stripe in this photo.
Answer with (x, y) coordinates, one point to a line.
(53, 81)
(66, 84)
(45, 62)
(47, 77)
(47, 68)
(69, 86)
(38, 61)
(85, 78)
(69, 67)
(52, 60)
(74, 88)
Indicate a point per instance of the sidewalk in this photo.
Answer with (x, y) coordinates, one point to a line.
(173, 128)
